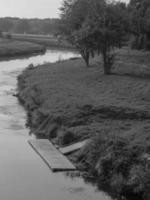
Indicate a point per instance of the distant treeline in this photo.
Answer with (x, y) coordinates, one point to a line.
(30, 26)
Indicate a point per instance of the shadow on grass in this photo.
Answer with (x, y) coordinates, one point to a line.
(137, 76)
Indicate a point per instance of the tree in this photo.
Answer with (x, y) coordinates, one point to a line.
(73, 15)
(6, 24)
(94, 27)
(22, 26)
(140, 23)
(106, 25)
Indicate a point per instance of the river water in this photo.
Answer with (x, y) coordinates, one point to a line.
(23, 174)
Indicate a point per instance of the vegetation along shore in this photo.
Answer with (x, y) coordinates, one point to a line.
(113, 111)
(47, 41)
(13, 48)
(13, 45)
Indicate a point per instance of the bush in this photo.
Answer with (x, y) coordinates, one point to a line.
(120, 162)
(66, 137)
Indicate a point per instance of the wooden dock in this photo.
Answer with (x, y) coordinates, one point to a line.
(71, 148)
(55, 160)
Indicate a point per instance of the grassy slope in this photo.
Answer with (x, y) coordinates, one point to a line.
(68, 86)
(10, 47)
(116, 107)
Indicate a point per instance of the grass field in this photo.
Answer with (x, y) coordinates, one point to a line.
(45, 40)
(12, 48)
(84, 103)
(68, 87)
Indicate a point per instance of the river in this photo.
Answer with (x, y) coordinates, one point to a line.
(23, 174)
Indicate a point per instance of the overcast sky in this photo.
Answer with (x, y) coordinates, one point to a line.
(30, 8)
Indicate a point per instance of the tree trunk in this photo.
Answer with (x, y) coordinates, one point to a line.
(107, 70)
(86, 57)
(106, 64)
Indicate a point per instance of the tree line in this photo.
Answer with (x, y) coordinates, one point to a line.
(99, 27)
(29, 26)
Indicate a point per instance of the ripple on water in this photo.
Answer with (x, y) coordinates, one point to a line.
(17, 127)
(5, 110)
(7, 93)
(77, 190)
(13, 73)
(6, 88)
(3, 83)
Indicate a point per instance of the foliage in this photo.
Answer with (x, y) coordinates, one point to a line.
(22, 26)
(30, 26)
(66, 137)
(94, 27)
(73, 15)
(140, 23)
(120, 163)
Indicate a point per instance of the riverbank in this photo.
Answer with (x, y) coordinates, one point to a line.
(111, 110)
(47, 41)
(11, 48)
(18, 158)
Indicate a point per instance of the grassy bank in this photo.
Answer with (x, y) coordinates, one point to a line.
(111, 110)
(43, 40)
(13, 48)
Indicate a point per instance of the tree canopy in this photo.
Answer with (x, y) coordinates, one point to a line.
(140, 23)
(31, 26)
(94, 27)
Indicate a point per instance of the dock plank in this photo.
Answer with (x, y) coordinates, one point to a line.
(55, 160)
(71, 148)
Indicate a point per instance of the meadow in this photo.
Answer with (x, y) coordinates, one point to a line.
(46, 40)
(13, 48)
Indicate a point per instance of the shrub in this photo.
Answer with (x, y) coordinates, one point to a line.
(120, 163)
(66, 137)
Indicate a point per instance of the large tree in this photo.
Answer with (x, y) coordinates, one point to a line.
(73, 15)
(94, 27)
(106, 26)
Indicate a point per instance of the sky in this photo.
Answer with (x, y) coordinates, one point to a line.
(30, 8)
